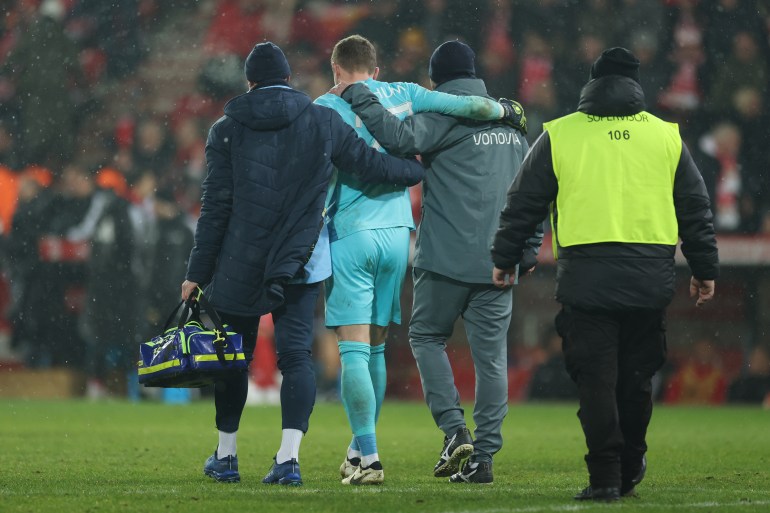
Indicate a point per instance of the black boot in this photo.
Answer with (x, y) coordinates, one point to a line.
(628, 488)
(599, 494)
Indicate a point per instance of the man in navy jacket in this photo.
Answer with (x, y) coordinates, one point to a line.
(257, 247)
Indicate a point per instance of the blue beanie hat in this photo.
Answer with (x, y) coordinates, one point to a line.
(451, 60)
(266, 62)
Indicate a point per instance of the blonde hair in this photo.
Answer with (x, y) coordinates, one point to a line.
(355, 53)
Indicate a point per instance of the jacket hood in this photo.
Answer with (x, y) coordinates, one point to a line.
(269, 108)
(464, 86)
(613, 95)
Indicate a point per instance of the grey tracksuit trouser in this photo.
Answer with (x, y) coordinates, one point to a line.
(486, 311)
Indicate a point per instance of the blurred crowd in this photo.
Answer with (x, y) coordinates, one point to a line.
(105, 106)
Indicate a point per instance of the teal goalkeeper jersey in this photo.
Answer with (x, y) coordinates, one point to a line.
(352, 205)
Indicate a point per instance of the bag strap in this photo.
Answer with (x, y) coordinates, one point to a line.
(171, 317)
(190, 312)
(220, 334)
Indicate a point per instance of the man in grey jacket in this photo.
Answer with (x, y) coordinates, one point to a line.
(471, 165)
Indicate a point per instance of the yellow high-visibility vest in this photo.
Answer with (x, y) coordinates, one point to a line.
(616, 179)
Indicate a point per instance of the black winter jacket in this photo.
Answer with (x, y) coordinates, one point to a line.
(609, 276)
(270, 159)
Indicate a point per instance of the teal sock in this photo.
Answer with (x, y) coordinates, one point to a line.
(379, 376)
(356, 387)
(354, 444)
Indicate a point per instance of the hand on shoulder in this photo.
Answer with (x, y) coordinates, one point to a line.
(339, 88)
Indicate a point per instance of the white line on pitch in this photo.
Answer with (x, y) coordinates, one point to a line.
(646, 505)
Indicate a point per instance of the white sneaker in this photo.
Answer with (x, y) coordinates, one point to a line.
(349, 467)
(371, 475)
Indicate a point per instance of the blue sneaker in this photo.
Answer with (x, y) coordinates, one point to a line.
(286, 473)
(224, 470)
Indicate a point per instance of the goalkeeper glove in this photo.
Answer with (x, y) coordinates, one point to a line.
(513, 114)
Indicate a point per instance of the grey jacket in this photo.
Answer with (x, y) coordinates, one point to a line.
(471, 165)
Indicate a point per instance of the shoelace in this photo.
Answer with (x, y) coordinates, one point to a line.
(272, 467)
(294, 464)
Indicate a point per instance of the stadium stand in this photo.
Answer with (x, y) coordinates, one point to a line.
(130, 88)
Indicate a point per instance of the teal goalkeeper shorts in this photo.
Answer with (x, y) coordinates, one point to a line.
(368, 269)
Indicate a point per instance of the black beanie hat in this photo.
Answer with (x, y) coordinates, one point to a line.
(451, 60)
(616, 61)
(266, 62)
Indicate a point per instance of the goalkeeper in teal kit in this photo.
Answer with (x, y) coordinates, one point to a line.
(369, 229)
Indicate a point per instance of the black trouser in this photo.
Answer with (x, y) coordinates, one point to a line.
(612, 356)
(294, 340)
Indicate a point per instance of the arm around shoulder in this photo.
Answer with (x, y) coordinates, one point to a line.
(471, 107)
(416, 134)
(351, 154)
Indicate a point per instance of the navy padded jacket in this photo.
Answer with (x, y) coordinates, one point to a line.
(270, 159)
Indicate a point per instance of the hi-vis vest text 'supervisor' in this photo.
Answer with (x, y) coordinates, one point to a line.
(616, 179)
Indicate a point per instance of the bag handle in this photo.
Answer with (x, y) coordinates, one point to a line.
(220, 334)
(189, 312)
(171, 317)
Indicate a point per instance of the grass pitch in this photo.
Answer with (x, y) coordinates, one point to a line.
(99, 457)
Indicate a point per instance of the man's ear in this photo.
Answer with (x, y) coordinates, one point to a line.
(336, 72)
(376, 73)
